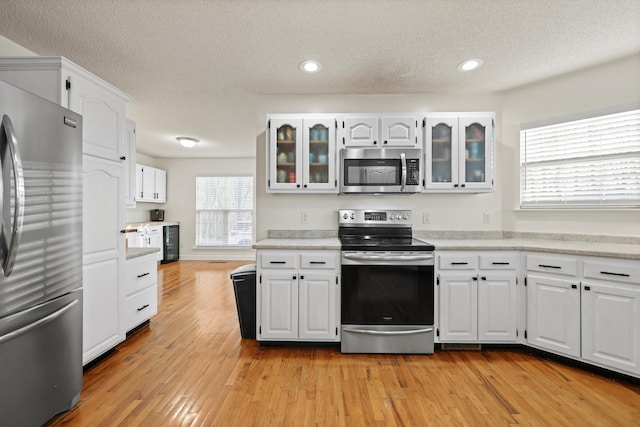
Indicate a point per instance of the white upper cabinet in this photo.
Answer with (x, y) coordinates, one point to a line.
(399, 132)
(102, 106)
(379, 131)
(360, 131)
(151, 184)
(130, 165)
(459, 153)
(302, 154)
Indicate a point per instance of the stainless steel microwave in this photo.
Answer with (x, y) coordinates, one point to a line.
(380, 170)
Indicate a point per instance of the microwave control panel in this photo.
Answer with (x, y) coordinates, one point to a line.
(413, 172)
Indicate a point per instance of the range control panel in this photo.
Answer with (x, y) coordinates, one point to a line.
(374, 217)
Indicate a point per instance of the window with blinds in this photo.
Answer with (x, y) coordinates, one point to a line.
(587, 163)
(224, 211)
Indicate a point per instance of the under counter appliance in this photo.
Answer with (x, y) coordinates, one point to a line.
(387, 296)
(372, 170)
(41, 258)
(170, 243)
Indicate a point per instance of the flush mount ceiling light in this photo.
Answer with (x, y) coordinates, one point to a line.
(469, 64)
(310, 66)
(186, 141)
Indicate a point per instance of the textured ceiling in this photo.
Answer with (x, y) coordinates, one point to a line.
(197, 67)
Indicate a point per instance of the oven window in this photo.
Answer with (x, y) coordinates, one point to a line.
(372, 172)
(387, 295)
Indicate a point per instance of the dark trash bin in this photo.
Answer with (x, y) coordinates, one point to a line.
(244, 286)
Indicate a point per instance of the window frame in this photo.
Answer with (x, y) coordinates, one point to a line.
(560, 204)
(225, 212)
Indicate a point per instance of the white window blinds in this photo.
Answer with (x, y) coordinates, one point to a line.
(224, 211)
(592, 162)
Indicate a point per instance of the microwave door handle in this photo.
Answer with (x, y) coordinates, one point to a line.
(403, 161)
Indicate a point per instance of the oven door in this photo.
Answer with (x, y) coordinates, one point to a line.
(391, 294)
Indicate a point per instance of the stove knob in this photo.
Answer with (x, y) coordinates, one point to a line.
(353, 215)
(398, 217)
(345, 216)
(405, 217)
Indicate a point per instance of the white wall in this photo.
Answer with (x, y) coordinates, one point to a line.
(447, 211)
(181, 205)
(605, 86)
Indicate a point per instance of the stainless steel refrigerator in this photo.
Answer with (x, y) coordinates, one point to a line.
(40, 257)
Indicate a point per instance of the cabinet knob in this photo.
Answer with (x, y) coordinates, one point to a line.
(123, 158)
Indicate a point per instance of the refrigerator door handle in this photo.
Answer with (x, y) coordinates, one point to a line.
(11, 247)
(15, 334)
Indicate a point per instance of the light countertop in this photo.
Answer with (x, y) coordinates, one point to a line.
(600, 249)
(140, 252)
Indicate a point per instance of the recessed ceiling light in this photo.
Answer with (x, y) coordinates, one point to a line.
(186, 141)
(310, 66)
(469, 64)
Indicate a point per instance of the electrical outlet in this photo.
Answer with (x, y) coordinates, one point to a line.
(303, 217)
(426, 218)
(486, 217)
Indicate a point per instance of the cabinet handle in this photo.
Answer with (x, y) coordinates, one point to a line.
(301, 277)
(455, 185)
(123, 158)
(375, 142)
(549, 266)
(385, 142)
(500, 263)
(587, 288)
(474, 278)
(123, 231)
(615, 274)
(143, 307)
(462, 185)
(317, 262)
(576, 287)
(142, 275)
(277, 262)
(294, 277)
(484, 277)
(459, 263)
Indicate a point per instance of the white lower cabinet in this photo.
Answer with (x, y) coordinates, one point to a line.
(140, 291)
(611, 314)
(477, 296)
(553, 314)
(586, 308)
(298, 294)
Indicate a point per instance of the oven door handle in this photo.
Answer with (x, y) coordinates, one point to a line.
(376, 332)
(403, 161)
(364, 257)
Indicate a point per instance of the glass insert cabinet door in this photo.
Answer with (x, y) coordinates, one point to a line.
(319, 154)
(441, 152)
(476, 135)
(285, 152)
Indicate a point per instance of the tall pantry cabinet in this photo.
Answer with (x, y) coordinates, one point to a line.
(103, 110)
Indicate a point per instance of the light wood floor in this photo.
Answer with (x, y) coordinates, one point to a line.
(190, 367)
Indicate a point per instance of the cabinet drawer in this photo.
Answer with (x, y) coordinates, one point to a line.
(278, 260)
(140, 273)
(318, 260)
(140, 306)
(498, 261)
(552, 264)
(617, 272)
(457, 262)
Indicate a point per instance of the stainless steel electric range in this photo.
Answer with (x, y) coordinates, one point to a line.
(387, 284)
